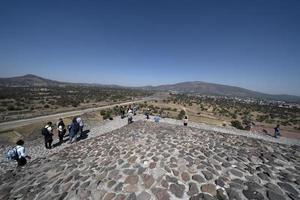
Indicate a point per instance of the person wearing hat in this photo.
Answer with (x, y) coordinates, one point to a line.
(61, 130)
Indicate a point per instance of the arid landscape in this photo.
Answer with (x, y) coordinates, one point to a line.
(43, 97)
(150, 100)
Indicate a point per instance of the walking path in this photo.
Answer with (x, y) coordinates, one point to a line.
(17, 123)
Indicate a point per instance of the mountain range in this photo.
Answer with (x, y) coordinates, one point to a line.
(194, 87)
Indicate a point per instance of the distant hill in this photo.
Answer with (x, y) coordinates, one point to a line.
(203, 88)
(27, 81)
(31, 80)
(195, 87)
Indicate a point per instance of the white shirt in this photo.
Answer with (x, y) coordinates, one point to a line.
(21, 151)
(49, 128)
(79, 121)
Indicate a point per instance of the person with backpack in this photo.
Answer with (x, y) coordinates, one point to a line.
(21, 153)
(61, 130)
(18, 154)
(73, 130)
(47, 133)
(81, 124)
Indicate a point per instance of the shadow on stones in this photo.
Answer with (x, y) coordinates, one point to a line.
(60, 143)
(84, 135)
(66, 138)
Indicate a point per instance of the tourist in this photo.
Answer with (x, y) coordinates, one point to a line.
(80, 123)
(21, 159)
(157, 119)
(147, 113)
(130, 116)
(277, 131)
(47, 132)
(122, 109)
(185, 121)
(73, 130)
(61, 130)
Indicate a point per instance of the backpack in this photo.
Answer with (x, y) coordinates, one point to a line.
(45, 131)
(12, 154)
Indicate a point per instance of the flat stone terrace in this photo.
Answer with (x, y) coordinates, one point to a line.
(146, 160)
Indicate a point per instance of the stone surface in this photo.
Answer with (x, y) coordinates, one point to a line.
(236, 172)
(209, 188)
(287, 187)
(148, 180)
(198, 178)
(274, 196)
(163, 162)
(160, 193)
(208, 175)
(177, 190)
(132, 179)
(144, 196)
(193, 189)
(185, 176)
(250, 194)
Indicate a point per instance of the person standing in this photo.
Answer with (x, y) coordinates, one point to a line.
(130, 116)
(47, 132)
(61, 130)
(277, 131)
(74, 127)
(21, 153)
(185, 121)
(147, 113)
(81, 124)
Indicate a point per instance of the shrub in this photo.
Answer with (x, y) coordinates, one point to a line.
(181, 114)
(11, 107)
(237, 124)
(108, 115)
(75, 103)
(102, 112)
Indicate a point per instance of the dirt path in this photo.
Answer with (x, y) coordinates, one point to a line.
(23, 122)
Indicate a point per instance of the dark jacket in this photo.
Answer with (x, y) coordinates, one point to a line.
(74, 128)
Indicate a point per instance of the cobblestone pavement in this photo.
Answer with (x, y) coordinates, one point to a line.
(147, 160)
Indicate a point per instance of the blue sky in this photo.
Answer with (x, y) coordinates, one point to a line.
(252, 44)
